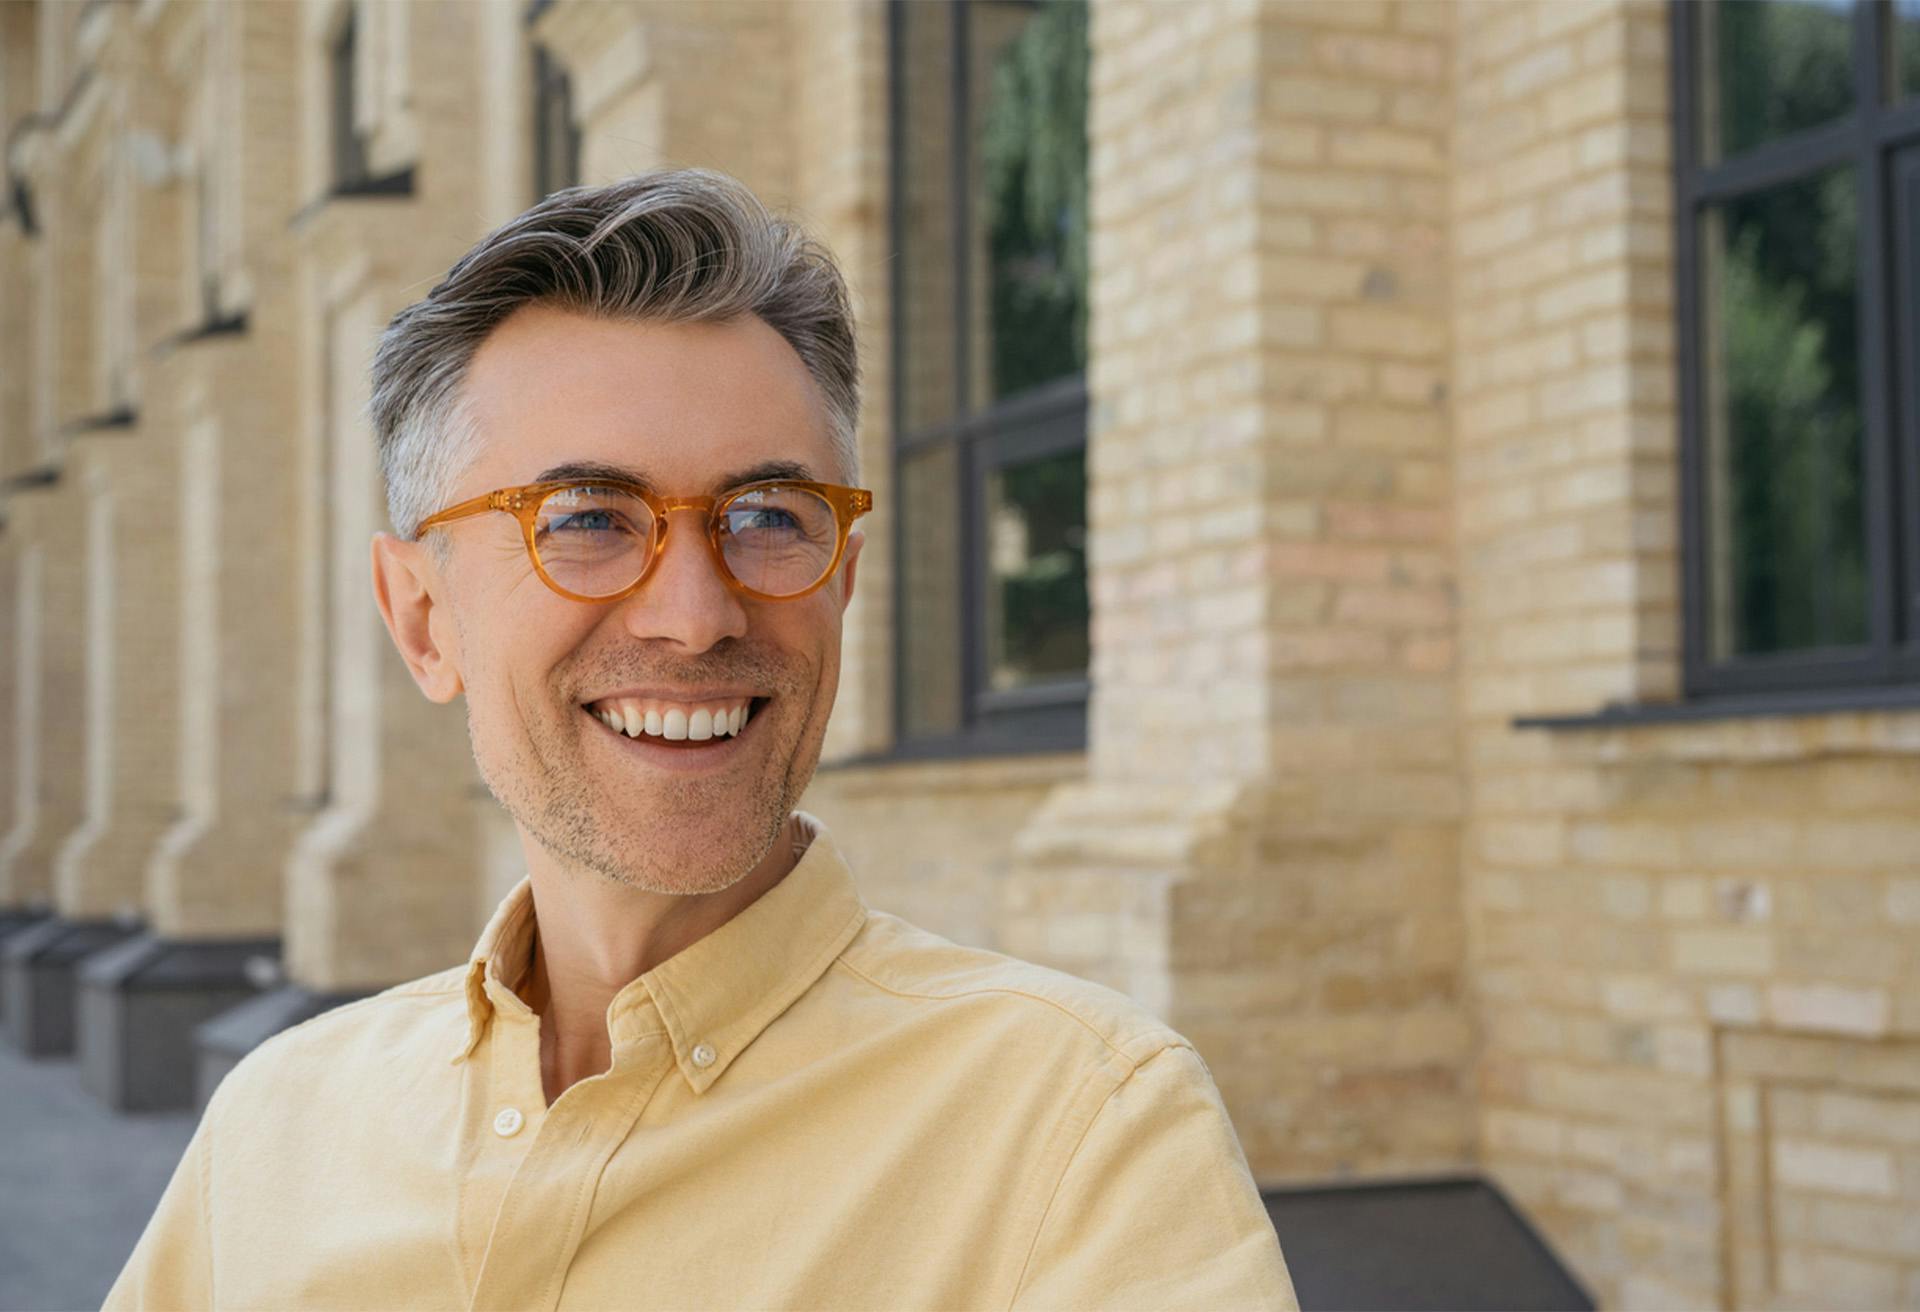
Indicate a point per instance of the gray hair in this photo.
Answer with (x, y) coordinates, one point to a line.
(686, 245)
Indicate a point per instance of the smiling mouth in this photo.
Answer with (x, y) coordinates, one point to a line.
(689, 726)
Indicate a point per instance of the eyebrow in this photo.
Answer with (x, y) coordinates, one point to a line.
(594, 469)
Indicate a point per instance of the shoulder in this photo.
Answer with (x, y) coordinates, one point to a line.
(410, 1025)
(924, 970)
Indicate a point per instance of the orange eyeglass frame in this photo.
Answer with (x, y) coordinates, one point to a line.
(524, 502)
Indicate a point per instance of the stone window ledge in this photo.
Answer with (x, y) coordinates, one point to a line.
(1881, 720)
(893, 775)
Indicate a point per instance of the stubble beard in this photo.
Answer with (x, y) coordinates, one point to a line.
(687, 835)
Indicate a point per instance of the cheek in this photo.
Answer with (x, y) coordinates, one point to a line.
(513, 683)
(815, 640)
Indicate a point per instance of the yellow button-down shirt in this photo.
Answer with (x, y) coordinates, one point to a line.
(817, 1105)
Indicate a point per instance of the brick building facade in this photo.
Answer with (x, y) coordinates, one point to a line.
(1408, 768)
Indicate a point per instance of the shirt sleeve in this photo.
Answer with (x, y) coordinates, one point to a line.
(171, 1269)
(1156, 1208)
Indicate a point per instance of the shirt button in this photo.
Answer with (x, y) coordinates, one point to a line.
(508, 1122)
(703, 1055)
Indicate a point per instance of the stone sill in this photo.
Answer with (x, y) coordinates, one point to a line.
(399, 185)
(1882, 720)
(888, 775)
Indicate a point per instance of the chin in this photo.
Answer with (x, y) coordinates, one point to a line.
(702, 845)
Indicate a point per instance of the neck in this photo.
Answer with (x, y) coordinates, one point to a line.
(593, 937)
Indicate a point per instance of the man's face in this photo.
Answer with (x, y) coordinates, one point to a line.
(686, 409)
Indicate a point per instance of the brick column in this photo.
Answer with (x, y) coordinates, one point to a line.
(1602, 953)
(380, 880)
(17, 456)
(1264, 849)
(68, 172)
(38, 962)
(229, 398)
(128, 715)
(24, 559)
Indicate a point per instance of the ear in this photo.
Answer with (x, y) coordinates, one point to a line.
(408, 587)
(848, 564)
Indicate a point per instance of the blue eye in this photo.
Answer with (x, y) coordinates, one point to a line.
(589, 521)
(762, 519)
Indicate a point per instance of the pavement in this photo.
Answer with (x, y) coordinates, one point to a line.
(77, 1184)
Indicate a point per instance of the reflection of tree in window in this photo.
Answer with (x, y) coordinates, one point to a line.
(1034, 155)
(1786, 310)
(1905, 80)
(1033, 151)
(1782, 66)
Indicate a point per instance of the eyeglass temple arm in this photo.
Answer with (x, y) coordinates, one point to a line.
(478, 505)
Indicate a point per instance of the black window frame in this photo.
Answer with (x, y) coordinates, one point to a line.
(553, 99)
(1045, 420)
(1880, 141)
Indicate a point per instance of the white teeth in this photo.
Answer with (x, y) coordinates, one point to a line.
(701, 724)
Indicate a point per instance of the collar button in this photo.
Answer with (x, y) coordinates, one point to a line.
(703, 1055)
(508, 1122)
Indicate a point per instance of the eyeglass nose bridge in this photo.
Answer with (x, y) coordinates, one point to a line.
(663, 507)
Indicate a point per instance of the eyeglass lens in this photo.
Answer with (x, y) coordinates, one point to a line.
(595, 541)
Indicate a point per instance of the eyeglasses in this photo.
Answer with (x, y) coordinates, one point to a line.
(597, 540)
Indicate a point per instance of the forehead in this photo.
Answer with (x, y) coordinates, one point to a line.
(680, 405)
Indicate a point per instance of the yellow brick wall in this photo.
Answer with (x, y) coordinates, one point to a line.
(1693, 944)
(1266, 849)
(933, 842)
(1383, 454)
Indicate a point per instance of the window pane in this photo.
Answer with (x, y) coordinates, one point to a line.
(930, 682)
(349, 146)
(929, 317)
(1769, 68)
(1029, 231)
(1903, 49)
(1037, 571)
(1786, 533)
(556, 141)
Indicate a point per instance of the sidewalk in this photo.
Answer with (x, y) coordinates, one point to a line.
(77, 1184)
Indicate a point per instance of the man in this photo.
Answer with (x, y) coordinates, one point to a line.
(686, 1066)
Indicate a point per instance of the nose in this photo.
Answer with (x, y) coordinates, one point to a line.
(684, 600)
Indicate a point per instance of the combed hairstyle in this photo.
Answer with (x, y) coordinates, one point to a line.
(676, 246)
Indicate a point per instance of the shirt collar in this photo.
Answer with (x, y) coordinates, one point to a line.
(717, 993)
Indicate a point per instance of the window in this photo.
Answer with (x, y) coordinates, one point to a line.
(349, 142)
(556, 141)
(1797, 150)
(203, 264)
(990, 352)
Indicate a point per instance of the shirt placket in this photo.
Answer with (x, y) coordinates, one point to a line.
(560, 1151)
